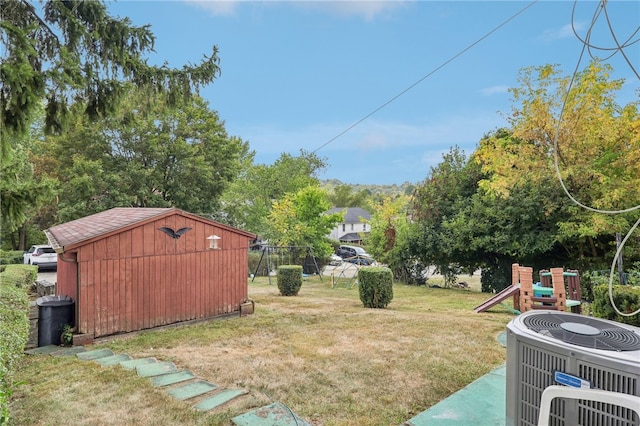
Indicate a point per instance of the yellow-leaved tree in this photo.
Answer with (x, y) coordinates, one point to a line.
(572, 133)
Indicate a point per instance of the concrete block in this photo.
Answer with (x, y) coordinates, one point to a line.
(45, 288)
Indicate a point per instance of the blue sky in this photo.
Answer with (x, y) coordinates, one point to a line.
(296, 74)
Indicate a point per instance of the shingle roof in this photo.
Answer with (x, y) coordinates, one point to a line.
(88, 227)
(352, 215)
(352, 236)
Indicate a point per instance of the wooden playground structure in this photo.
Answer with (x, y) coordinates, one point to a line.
(557, 290)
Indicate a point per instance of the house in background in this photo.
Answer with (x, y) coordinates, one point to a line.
(131, 269)
(354, 226)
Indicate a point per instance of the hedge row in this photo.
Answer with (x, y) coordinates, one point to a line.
(258, 262)
(590, 279)
(626, 298)
(11, 257)
(15, 281)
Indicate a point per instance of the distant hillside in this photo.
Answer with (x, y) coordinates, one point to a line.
(388, 190)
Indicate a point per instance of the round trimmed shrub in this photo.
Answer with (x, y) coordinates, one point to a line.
(289, 279)
(375, 285)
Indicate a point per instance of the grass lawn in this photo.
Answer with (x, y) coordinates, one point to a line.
(321, 353)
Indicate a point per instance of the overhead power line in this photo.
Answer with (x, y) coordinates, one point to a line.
(438, 68)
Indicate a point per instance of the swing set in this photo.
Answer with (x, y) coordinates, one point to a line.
(275, 256)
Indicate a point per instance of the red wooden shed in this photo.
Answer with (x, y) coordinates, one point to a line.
(130, 269)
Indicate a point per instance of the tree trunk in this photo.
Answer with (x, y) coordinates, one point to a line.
(22, 237)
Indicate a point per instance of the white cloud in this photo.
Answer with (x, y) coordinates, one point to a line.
(561, 33)
(494, 90)
(366, 9)
(376, 151)
(369, 10)
(216, 7)
(372, 135)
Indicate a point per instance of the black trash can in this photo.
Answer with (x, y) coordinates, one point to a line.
(54, 312)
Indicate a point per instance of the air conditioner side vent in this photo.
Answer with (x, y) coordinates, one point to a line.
(609, 380)
(537, 369)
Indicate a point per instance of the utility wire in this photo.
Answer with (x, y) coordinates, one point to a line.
(426, 76)
(618, 48)
(586, 45)
(556, 160)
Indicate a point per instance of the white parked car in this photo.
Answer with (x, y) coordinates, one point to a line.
(42, 256)
(335, 260)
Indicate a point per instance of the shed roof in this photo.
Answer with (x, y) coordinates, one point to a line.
(352, 214)
(119, 218)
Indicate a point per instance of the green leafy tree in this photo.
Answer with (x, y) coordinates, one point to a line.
(70, 58)
(388, 240)
(344, 196)
(440, 197)
(595, 143)
(75, 53)
(298, 219)
(22, 190)
(492, 232)
(165, 157)
(248, 200)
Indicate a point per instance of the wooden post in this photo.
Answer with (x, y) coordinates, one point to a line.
(545, 279)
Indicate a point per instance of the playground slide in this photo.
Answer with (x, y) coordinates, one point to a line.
(498, 297)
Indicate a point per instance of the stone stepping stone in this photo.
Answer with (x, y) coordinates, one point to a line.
(156, 369)
(43, 350)
(219, 399)
(133, 363)
(108, 361)
(276, 414)
(191, 390)
(94, 354)
(172, 378)
(69, 351)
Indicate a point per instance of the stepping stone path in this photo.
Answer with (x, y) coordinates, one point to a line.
(272, 414)
(165, 374)
(172, 378)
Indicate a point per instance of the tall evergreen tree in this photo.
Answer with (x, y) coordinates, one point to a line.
(74, 52)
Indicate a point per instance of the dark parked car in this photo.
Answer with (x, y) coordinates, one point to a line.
(355, 254)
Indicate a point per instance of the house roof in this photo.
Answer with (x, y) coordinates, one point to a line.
(96, 225)
(352, 236)
(352, 214)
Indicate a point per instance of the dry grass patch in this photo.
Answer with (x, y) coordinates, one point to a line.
(330, 360)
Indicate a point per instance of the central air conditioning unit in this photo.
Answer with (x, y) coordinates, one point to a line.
(549, 348)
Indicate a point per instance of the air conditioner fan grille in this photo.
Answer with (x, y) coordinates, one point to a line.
(584, 331)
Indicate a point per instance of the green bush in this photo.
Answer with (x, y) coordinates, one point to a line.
(11, 257)
(254, 261)
(375, 285)
(590, 279)
(20, 275)
(626, 298)
(14, 332)
(289, 279)
(259, 264)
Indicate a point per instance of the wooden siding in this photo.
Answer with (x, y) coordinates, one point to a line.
(142, 278)
(66, 280)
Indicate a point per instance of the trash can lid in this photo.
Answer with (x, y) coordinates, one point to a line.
(62, 300)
